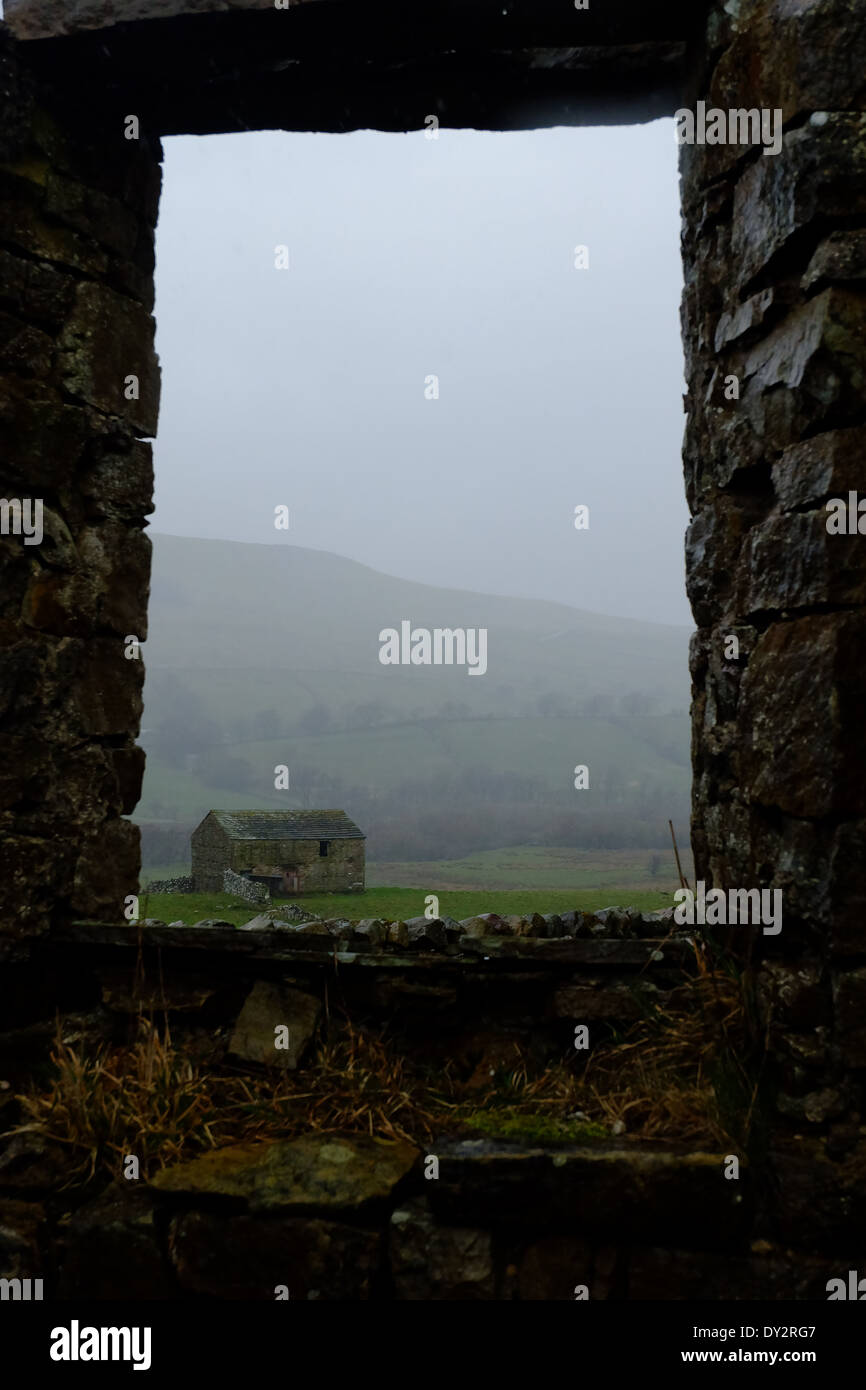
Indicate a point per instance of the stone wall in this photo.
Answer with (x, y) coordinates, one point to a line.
(183, 884)
(774, 321)
(336, 872)
(242, 888)
(76, 293)
(439, 1216)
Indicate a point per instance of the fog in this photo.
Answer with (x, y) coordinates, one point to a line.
(412, 258)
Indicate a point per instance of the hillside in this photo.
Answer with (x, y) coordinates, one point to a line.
(266, 655)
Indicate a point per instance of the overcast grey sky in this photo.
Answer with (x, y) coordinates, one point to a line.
(410, 257)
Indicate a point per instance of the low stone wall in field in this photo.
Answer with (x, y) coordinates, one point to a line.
(242, 888)
(170, 885)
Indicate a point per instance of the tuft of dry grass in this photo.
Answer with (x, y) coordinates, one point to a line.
(146, 1099)
(669, 1078)
(674, 1073)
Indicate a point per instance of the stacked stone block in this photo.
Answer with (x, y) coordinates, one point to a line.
(76, 294)
(774, 321)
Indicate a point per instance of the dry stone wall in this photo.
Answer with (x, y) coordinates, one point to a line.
(234, 883)
(774, 322)
(346, 1217)
(76, 294)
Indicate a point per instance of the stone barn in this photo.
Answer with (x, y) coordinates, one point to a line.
(292, 851)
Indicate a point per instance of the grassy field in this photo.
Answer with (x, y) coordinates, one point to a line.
(528, 878)
(537, 869)
(395, 904)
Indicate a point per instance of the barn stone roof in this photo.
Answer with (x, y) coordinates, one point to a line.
(288, 825)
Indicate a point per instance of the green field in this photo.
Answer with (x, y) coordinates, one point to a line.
(395, 904)
(537, 869)
(520, 880)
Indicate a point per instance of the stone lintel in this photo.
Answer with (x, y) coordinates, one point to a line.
(196, 67)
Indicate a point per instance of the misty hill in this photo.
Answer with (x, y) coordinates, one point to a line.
(259, 655)
(225, 605)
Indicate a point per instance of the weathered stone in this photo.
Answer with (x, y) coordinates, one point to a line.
(793, 995)
(90, 212)
(808, 372)
(113, 1249)
(820, 1205)
(31, 1164)
(269, 1007)
(372, 930)
(685, 1275)
(838, 261)
(776, 198)
(397, 934)
(119, 484)
(849, 998)
(245, 1258)
(340, 927)
(20, 1223)
(616, 922)
(805, 677)
(43, 293)
(426, 933)
(827, 465)
(111, 573)
(106, 871)
(262, 923)
(745, 320)
(596, 999)
(314, 936)
(816, 1107)
(324, 1172)
(805, 57)
(549, 1270)
(24, 349)
(577, 923)
(122, 994)
(554, 925)
(106, 339)
(435, 1262)
(46, 18)
(487, 924)
(48, 441)
(605, 1190)
(791, 561)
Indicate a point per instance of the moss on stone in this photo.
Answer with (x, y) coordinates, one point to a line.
(511, 1124)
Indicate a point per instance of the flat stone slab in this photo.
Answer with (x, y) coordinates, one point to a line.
(610, 1190)
(267, 1008)
(302, 948)
(316, 1172)
(123, 995)
(42, 19)
(625, 22)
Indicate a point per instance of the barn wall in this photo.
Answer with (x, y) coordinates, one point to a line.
(337, 872)
(211, 855)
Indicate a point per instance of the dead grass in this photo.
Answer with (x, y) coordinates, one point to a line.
(684, 1071)
(675, 1076)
